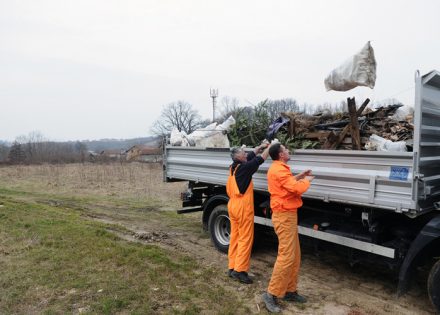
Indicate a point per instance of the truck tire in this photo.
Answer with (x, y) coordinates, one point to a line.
(220, 227)
(434, 286)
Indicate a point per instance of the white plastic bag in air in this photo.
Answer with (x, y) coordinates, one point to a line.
(378, 143)
(359, 70)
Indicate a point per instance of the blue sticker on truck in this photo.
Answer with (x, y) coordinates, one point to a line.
(399, 173)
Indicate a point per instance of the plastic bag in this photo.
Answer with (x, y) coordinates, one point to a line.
(404, 113)
(210, 136)
(377, 143)
(216, 140)
(214, 136)
(178, 138)
(359, 70)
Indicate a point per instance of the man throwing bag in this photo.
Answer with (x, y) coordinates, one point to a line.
(240, 190)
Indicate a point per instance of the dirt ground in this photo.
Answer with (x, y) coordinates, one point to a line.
(331, 285)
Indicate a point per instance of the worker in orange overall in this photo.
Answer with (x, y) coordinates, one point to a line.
(285, 198)
(240, 190)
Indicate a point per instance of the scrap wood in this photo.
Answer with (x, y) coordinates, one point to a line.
(331, 131)
(347, 128)
(331, 138)
(299, 123)
(317, 135)
(334, 125)
(355, 134)
(382, 112)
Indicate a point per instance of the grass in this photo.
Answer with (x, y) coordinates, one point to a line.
(54, 260)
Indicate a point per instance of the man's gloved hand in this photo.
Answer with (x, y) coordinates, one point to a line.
(264, 144)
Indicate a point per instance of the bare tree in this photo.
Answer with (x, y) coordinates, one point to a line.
(228, 105)
(34, 149)
(178, 115)
(32, 145)
(4, 151)
(81, 150)
(16, 154)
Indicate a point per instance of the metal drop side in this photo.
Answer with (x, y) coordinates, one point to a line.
(427, 141)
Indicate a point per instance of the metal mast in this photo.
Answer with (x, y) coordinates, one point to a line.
(214, 94)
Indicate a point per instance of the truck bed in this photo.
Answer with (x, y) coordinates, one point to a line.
(397, 181)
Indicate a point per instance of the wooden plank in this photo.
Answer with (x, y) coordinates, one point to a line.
(355, 135)
(361, 109)
(331, 139)
(317, 135)
(344, 131)
(341, 136)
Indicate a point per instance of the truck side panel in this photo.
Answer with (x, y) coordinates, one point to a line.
(352, 177)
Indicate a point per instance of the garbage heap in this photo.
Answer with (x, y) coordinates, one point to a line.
(387, 128)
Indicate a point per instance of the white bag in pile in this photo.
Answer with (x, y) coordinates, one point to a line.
(202, 132)
(378, 143)
(404, 113)
(216, 140)
(212, 136)
(227, 124)
(178, 138)
(359, 70)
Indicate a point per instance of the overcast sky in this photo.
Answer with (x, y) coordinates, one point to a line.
(77, 70)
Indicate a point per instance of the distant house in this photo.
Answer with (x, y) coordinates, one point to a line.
(143, 153)
(111, 155)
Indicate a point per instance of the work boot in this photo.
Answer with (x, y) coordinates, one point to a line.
(241, 276)
(294, 297)
(230, 272)
(271, 303)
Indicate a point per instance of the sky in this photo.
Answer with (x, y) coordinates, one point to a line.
(94, 69)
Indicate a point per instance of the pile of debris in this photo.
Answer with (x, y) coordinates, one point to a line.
(388, 128)
(214, 135)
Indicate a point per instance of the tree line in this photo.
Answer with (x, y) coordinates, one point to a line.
(35, 149)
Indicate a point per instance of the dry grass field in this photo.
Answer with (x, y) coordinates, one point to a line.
(105, 239)
(63, 251)
(135, 181)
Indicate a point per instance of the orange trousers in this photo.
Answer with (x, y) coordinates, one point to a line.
(285, 272)
(241, 216)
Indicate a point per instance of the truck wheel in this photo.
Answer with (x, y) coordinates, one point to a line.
(434, 285)
(220, 228)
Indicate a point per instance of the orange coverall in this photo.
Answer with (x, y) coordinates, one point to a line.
(241, 215)
(285, 199)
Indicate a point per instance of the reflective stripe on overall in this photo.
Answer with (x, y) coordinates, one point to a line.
(241, 215)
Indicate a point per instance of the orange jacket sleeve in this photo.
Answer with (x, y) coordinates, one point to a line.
(285, 191)
(288, 182)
